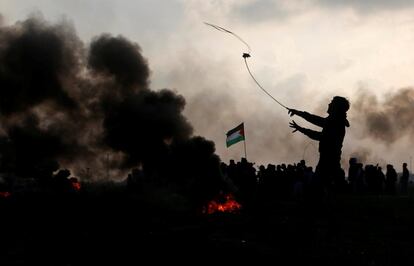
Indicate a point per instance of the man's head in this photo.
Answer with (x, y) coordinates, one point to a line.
(338, 105)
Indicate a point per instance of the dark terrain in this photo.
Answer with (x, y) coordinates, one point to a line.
(110, 225)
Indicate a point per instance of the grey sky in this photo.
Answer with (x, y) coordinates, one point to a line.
(262, 10)
(368, 6)
(146, 17)
(304, 52)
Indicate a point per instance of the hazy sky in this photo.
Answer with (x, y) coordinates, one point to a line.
(304, 52)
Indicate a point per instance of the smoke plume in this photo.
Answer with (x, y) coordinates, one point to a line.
(63, 104)
(388, 120)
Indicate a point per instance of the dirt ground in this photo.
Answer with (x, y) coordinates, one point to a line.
(125, 230)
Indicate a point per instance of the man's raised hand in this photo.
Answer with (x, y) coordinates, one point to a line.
(295, 126)
(292, 112)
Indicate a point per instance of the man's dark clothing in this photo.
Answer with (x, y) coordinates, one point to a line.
(330, 143)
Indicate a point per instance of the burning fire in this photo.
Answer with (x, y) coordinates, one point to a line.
(5, 194)
(75, 184)
(223, 203)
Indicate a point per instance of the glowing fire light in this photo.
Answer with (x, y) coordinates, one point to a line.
(224, 203)
(5, 194)
(75, 184)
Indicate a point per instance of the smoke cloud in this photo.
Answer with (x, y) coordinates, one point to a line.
(64, 104)
(120, 58)
(388, 120)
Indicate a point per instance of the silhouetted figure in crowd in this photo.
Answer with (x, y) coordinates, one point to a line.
(61, 182)
(404, 179)
(360, 179)
(246, 180)
(135, 180)
(353, 174)
(374, 179)
(390, 179)
(381, 177)
(379, 180)
(330, 140)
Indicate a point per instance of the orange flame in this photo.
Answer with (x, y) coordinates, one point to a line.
(75, 184)
(223, 203)
(5, 194)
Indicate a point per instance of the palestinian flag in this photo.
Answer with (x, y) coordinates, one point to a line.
(235, 135)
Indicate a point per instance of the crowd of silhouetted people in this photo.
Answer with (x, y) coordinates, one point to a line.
(299, 180)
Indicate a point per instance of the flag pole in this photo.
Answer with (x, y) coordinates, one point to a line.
(244, 142)
(245, 153)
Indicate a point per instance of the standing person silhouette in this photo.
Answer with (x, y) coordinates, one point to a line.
(330, 140)
(404, 179)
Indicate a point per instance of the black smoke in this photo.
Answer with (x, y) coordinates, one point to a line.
(33, 58)
(64, 104)
(38, 64)
(141, 125)
(120, 58)
(386, 120)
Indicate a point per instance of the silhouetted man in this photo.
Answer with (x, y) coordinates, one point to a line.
(390, 179)
(404, 179)
(330, 138)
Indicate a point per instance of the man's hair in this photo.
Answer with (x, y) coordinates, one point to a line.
(341, 103)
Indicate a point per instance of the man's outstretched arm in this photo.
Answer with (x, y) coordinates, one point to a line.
(314, 119)
(316, 135)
